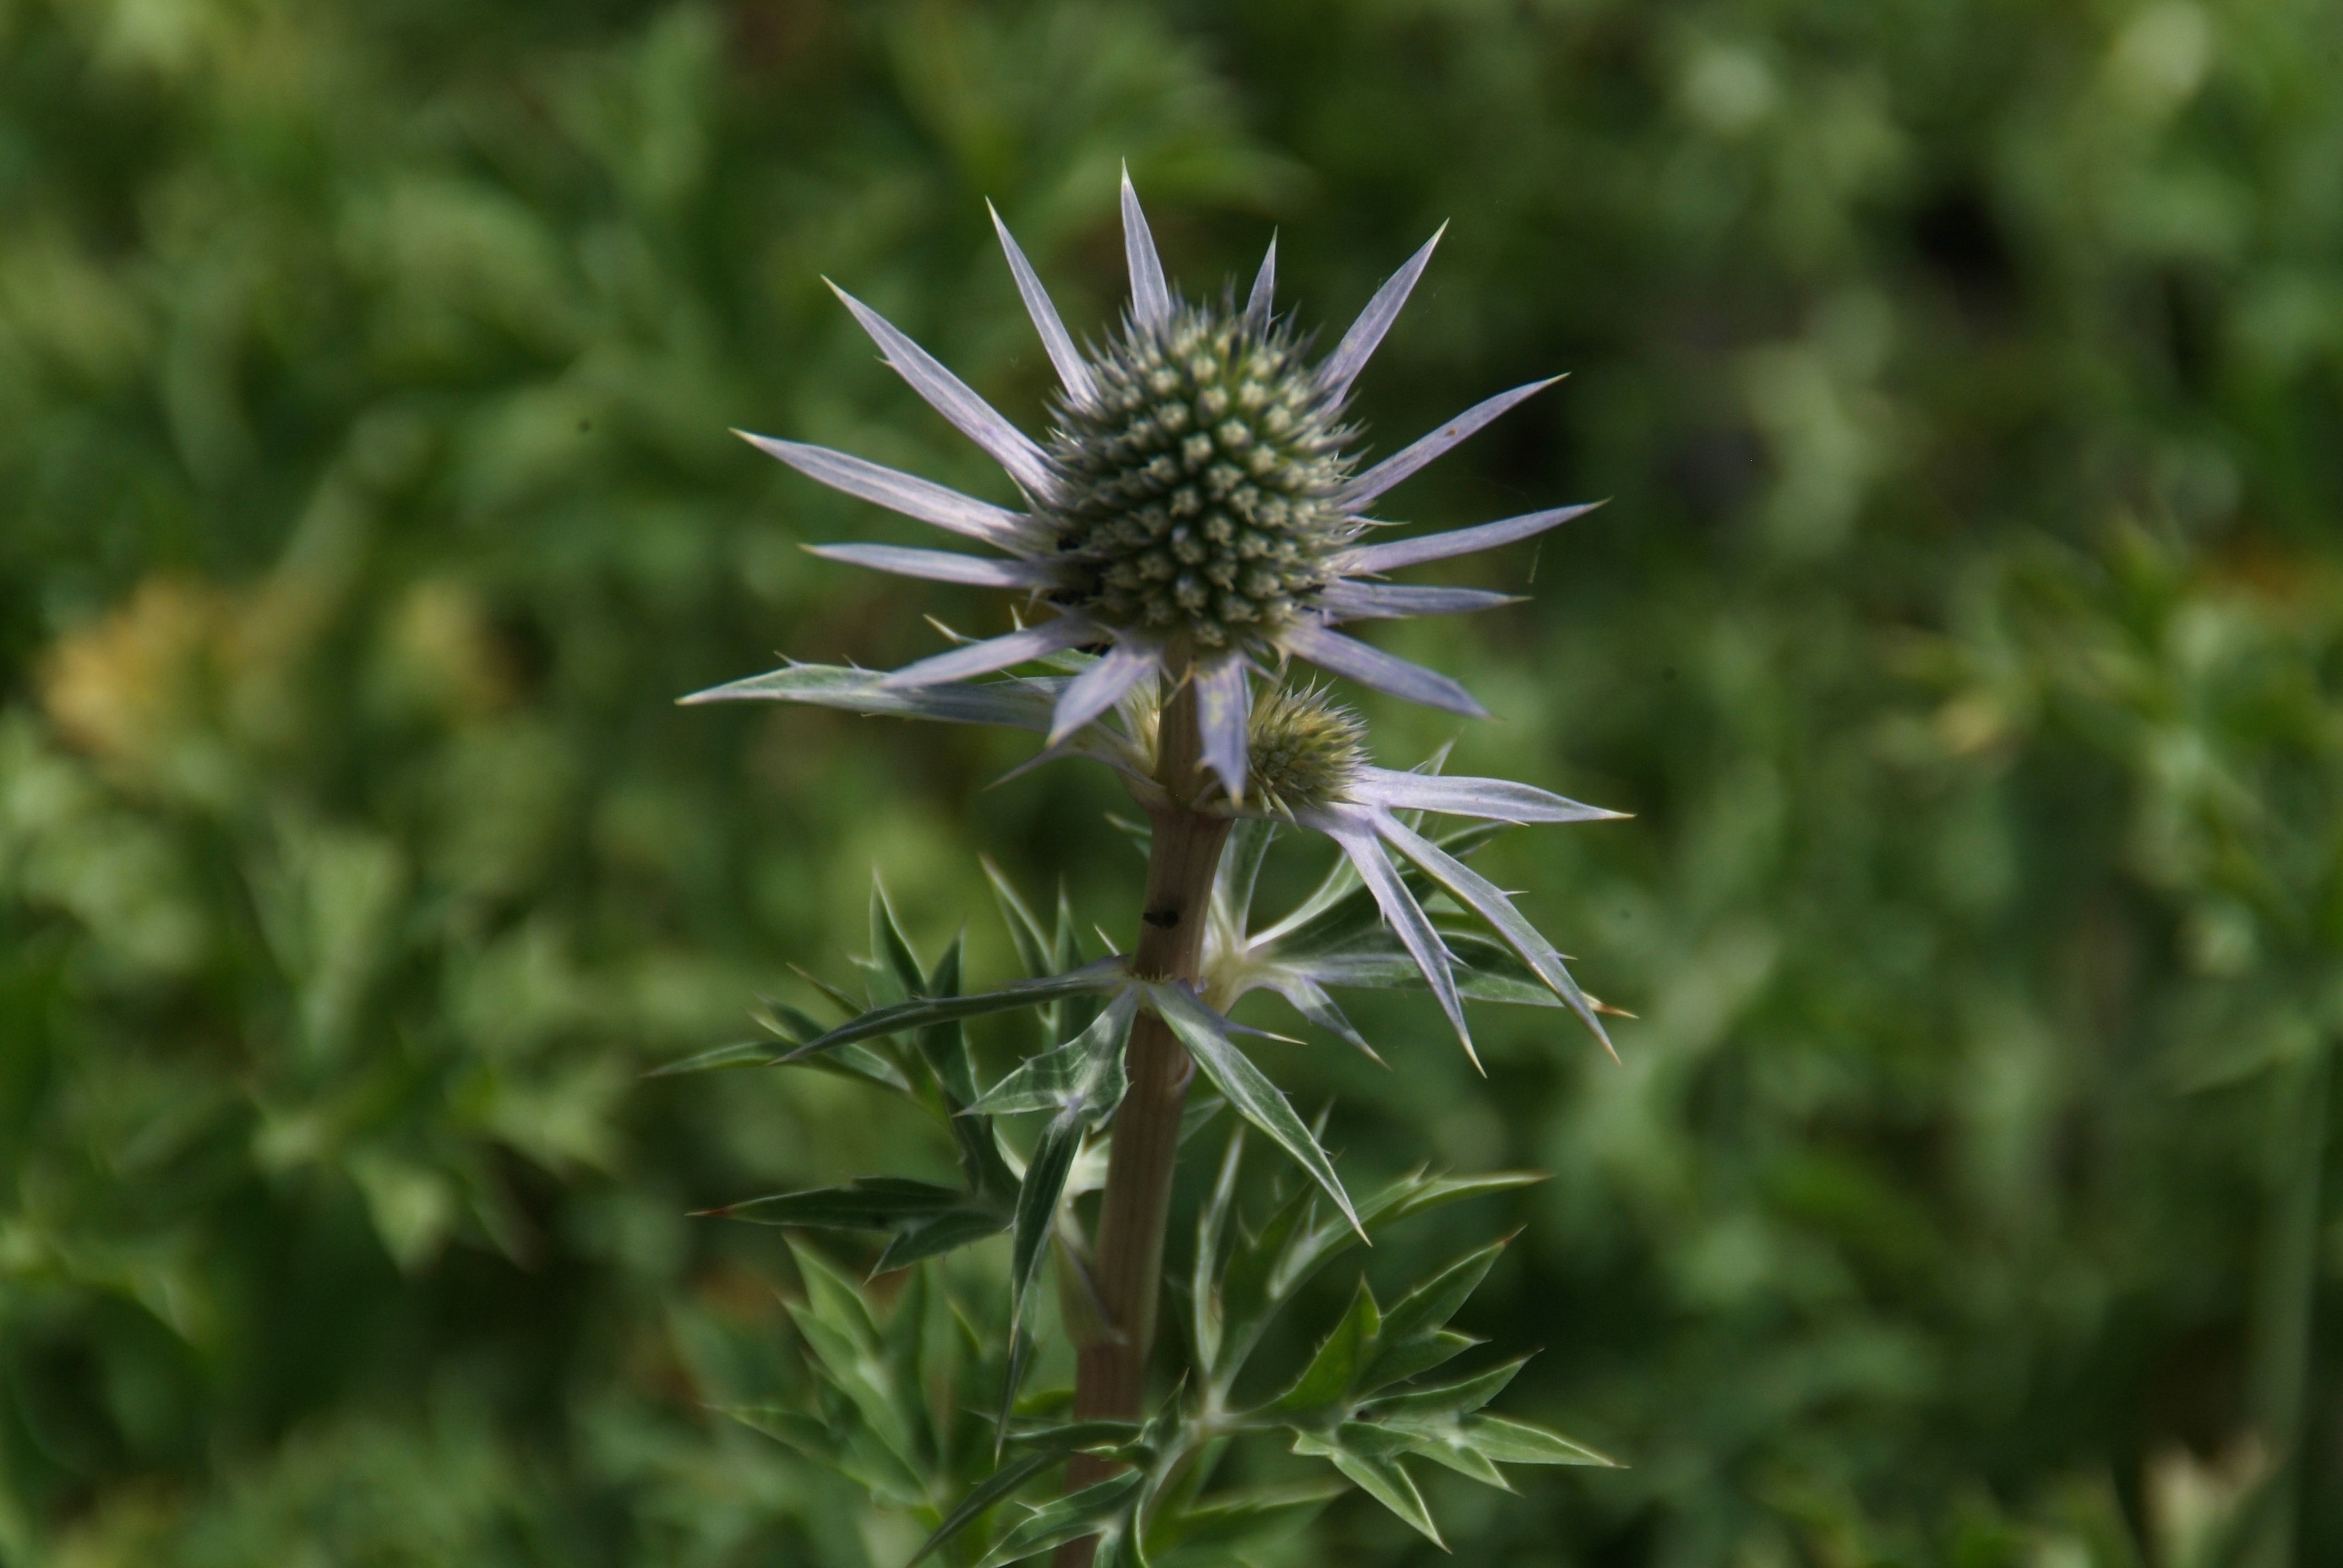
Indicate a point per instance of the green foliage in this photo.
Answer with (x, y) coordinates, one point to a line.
(1355, 1401)
(1964, 633)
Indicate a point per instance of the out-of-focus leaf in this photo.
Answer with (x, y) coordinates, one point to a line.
(1342, 1359)
(1103, 977)
(1069, 1518)
(1366, 1456)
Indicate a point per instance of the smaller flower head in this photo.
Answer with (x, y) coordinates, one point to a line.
(1307, 751)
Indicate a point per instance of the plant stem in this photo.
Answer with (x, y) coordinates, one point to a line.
(2280, 1360)
(1110, 1379)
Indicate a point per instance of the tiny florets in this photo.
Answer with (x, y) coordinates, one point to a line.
(1201, 479)
(1306, 751)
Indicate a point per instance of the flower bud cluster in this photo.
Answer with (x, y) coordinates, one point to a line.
(1201, 473)
(1306, 751)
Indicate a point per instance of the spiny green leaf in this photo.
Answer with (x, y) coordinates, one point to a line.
(1211, 1246)
(945, 1044)
(852, 1454)
(1459, 1397)
(1069, 1518)
(1446, 1444)
(1394, 1363)
(1092, 1435)
(867, 1203)
(896, 968)
(741, 1053)
(1510, 1441)
(1037, 1206)
(1206, 1034)
(1229, 1518)
(1083, 1078)
(1341, 1356)
(1106, 975)
(1363, 1457)
(861, 1062)
(1034, 949)
(799, 1429)
(1426, 1310)
(787, 1022)
(836, 996)
(852, 1354)
(1000, 1484)
(1294, 1244)
(940, 1233)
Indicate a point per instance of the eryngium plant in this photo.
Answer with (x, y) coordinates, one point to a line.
(1193, 523)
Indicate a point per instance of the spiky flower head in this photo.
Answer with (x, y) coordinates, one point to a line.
(1203, 480)
(1196, 510)
(1307, 751)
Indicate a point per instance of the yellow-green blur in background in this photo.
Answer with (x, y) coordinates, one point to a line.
(1965, 630)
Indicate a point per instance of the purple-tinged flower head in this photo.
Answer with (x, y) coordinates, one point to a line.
(1197, 508)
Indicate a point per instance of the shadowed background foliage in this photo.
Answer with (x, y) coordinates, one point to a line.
(1966, 631)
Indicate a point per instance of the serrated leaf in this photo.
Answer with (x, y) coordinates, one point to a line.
(1037, 1207)
(741, 1053)
(808, 1434)
(1084, 1078)
(1070, 1518)
(1510, 1441)
(1294, 1244)
(1105, 976)
(860, 1062)
(787, 1023)
(1378, 1474)
(938, 1234)
(1426, 1310)
(983, 1496)
(1249, 1091)
(1447, 1447)
(1211, 1246)
(896, 970)
(852, 1454)
(852, 1354)
(1416, 1357)
(1034, 949)
(1089, 1435)
(1230, 1518)
(867, 1203)
(1460, 1398)
(945, 1045)
(835, 995)
(1339, 1360)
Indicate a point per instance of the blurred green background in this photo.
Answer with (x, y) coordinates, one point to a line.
(1965, 632)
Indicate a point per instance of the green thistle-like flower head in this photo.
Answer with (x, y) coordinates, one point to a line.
(1306, 752)
(1202, 476)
